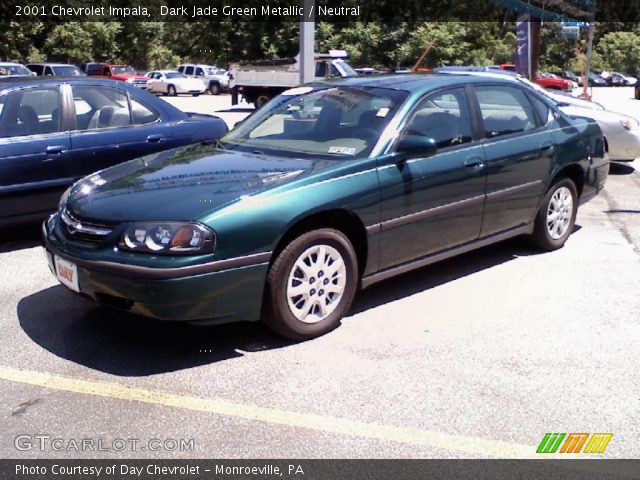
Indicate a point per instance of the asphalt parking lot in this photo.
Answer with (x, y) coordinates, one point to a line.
(478, 356)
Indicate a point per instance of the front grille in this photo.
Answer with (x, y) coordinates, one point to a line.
(82, 230)
(140, 83)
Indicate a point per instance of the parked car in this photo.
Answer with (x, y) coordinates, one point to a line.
(552, 82)
(53, 132)
(11, 69)
(621, 132)
(571, 76)
(216, 79)
(617, 79)
(331, 186)
(124, 73)
(172, 83)
(55, 69)
(368, 71)
(596, 80)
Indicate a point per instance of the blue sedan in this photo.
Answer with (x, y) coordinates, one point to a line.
(55, 131)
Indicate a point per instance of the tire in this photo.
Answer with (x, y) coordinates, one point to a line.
(299, 318)
(261, 100)
(214, 89)
(550, 234)
(195, 94)
(171, 91)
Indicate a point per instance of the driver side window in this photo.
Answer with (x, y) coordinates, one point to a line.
(443, 116)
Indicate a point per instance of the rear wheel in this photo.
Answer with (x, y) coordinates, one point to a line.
(171, 91)
(311, 284)
(557, 215)
(261, 100)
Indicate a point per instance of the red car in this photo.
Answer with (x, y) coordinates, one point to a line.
(553, 82)
(545, 80)
(124, 73)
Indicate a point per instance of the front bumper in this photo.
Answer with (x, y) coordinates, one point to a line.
(216, 292)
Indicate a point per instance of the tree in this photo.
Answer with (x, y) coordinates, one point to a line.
(621, 51)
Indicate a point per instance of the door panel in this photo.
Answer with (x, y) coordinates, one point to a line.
(113, 130)
(34, 154)
(430, 204)
(519, 152)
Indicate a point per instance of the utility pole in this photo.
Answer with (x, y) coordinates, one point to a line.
(587, 61)
(307, 41)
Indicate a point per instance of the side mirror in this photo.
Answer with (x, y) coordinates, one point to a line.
(416, 146)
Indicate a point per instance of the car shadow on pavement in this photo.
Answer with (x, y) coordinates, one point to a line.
(19, 238)
(125, 344)
(441, 273)
(620, 169)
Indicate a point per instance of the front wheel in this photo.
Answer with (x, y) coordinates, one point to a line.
(311, 284)
(214, 89)
(557, 215)
(171, 91)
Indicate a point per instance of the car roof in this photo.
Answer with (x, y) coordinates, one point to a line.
(199, 65)
(49, 64)
(11, 63)
(422, 82)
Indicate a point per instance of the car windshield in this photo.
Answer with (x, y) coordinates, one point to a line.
(122, 69)
(14, 70)
(329, 122)
(68, 71)
(349, 72)
(174, 75)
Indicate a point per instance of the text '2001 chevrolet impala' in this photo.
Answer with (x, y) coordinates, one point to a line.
(328, 188)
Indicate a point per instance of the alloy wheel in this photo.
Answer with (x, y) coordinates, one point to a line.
(559, 212)
(316, 283)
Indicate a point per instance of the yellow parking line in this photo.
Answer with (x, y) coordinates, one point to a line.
(407, 435)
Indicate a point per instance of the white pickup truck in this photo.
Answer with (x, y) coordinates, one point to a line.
(259, 82)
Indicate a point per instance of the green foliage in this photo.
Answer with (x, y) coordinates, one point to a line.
(621, 51)
(370, 42)
(69, 42)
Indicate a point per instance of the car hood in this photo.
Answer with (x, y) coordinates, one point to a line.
(606, 117)
(181, 184)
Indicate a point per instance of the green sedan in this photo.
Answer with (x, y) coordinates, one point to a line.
(329, 188)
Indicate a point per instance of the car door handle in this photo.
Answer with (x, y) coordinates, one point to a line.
(474, 162)
(54, 149)
(155, 138)
(547, 149)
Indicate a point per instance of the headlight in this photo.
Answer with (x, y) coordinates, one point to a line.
(174, 238)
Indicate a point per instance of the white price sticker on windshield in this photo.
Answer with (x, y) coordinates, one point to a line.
(382, 112)
(342, 150)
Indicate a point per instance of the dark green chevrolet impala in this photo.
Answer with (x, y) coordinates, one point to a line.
(328, 188)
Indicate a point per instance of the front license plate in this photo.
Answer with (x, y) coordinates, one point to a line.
(67, 273)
